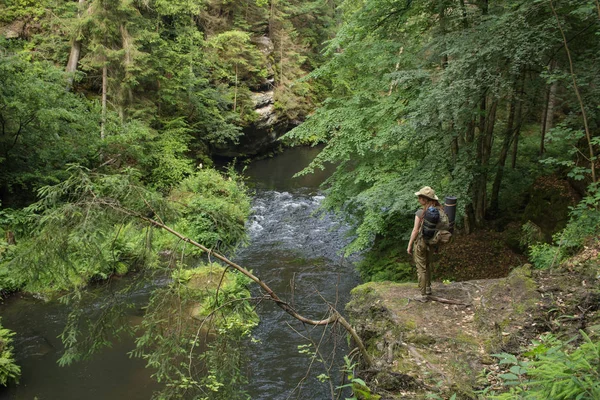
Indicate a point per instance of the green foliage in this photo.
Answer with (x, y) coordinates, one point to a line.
(22, 9)
(421, 95)
(213, 209)
(179, 80)
(13, 224)
(584, 225)
(181, 59)
(214, 312)
(74, 240)
(545, 255)
(385, 261)
(9, 370)
(239, 59)
(95, 225)
(360, 390)
(169, 165)
(531, 234)
(88, 227)
(556, 370)
(43, 126)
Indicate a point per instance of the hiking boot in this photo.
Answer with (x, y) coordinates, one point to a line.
(422, 298)
(428, 291)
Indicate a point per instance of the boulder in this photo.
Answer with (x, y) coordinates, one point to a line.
(14, 30)
(262, 133)
(263, 100)
(264, 44)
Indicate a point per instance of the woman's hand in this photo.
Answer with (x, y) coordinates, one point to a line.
(409, 250)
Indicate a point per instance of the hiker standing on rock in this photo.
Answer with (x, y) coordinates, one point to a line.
(426, 224)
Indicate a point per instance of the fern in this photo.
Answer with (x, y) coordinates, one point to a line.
(555, 372)
(9, 370)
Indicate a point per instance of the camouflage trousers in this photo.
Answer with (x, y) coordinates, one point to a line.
(424, 258)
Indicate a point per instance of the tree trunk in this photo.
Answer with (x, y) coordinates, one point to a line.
(515, 149)
(74, 54)
(468, 219)
(271, 18)
(548, 117)
(470, 133)
(281, 38)
(236, 88)
(104, 90)
(485, 7)
(489, 133)
(543, 122)
(126, 94)
(513, 129)
(586, 127)
(483, 155)
(454, 146)
(10, 238)
(551, 103)
(463, 11)
(508, 136)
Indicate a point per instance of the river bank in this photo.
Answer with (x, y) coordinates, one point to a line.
(443, 349)
(292, 247)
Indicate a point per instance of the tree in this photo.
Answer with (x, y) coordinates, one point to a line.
(42, 127)
(423, 89)
(236, 59)
(75, 48)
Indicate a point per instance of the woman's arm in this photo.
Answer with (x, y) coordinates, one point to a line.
(413, 234)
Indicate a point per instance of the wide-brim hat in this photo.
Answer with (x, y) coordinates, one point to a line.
(428, 192)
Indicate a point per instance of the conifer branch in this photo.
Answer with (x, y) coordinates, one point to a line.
(334, 317)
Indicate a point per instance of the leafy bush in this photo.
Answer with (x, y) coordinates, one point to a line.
(583, 225)
(556, 371)
(92, 226)
(9, 370)
(545, 255)
(379, 266)
(212, 209)
(204, 337)
(44, 126)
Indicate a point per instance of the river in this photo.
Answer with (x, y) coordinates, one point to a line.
(293, 248)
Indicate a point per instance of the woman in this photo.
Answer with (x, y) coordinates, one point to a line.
(422, 253)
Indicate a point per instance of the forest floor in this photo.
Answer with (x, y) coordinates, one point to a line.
(442, 348)
(483, 255)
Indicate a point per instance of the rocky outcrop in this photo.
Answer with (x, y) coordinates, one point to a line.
(439, 348)
(20, 29)
(261, 134)
(14, 30)
(266, 46)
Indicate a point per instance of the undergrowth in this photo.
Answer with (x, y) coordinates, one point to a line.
(583, 226)
(9, 370)
(552, 369)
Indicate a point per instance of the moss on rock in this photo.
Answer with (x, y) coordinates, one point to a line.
(447, 346)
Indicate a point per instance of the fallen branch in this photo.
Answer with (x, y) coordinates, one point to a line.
(335, 316)
(442, 300)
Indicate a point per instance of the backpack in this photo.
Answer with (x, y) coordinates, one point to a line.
(431, 217)
(435, 226)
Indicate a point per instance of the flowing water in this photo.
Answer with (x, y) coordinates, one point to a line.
(293, 248)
